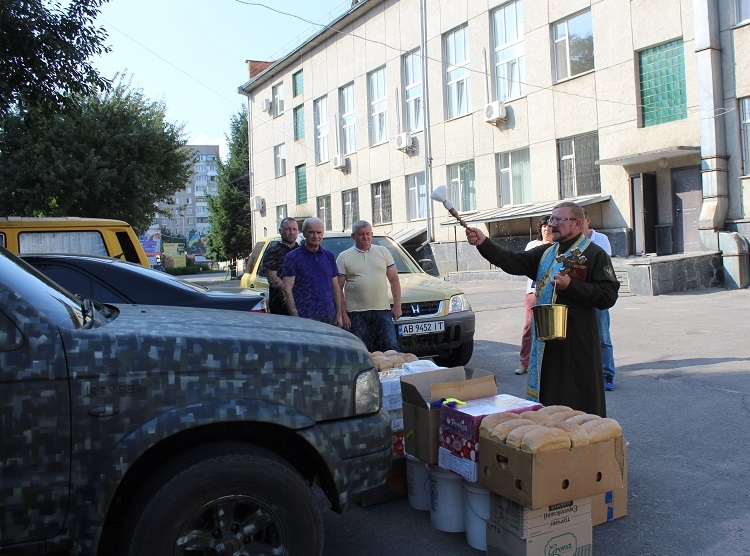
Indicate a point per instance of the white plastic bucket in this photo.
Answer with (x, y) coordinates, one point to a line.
(447, 503)
(418, 483)
(477, 514)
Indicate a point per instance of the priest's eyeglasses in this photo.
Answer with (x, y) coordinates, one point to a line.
(557, 219)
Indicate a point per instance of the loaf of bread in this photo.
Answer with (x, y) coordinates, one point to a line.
(397, 361)
(390, 352)
(550, 409)
(566, 414)
(577, 434)
(501, 431)
(383, 363)
(494, 419)
(602, 429)
(409, 357)
(582, 418)
(536, 417)
(544, 439)
(515, 437)
(376, 354)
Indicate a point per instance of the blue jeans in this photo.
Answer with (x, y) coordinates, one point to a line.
(605, 341)
(375, 329)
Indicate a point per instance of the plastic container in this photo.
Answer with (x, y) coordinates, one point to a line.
(477, 508)
(418, 483)
(447, 501)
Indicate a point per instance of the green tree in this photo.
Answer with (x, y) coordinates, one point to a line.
(111, 156)
(46, 52)
(229, 237)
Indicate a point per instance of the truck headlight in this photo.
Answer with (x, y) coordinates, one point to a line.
(459, 303)
(367, 393)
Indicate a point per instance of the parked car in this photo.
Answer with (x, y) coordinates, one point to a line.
(437, 320)
(86, 236)
(110, 280)
(139, 429)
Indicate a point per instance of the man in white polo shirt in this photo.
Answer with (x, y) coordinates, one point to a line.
(365, 271)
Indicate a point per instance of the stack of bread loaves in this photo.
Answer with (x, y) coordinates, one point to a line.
(554, 427)
(391, 359)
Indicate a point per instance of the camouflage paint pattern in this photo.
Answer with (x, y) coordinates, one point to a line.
(80, 406)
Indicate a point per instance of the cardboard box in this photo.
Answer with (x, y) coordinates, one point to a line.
(464, 420)
(613, 504)
(392, 402)
(398, 444)
(547, 478)
(458, 445)
(418, 391)
(468, 469)
(576, 540)
(530, 523)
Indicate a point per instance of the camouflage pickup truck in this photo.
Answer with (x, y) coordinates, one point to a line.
(149, 430)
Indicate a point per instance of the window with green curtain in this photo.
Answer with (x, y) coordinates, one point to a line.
(298, 84)
(300, 180)
(299, 122)
(663, 86)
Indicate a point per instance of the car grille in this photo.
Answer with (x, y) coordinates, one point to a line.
(421, 309)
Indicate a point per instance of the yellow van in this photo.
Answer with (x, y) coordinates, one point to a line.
(83, 236)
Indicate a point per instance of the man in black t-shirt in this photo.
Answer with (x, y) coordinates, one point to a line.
(272, 262)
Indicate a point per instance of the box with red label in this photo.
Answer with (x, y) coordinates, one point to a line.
(458, 445)
(468, 469)
(464, 420)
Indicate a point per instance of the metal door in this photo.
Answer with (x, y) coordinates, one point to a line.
(643, 191)
(687, 198)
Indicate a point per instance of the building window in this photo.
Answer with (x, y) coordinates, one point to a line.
(457, 73)
(381, 202)
(510, 59)
(323, 210)
(663, 85)
(279, 160)
(378, 107)
(277, 91)
(579, 171)
(300, 183)
(320, 113)
(280, 213)
(741, 11)
(350, 206)
(298, 84)
(515, 177)
(574, 46)
(348, 119)
(745, 134)
(298, 118)
(416, 196)
(461, 187)
(413, 91)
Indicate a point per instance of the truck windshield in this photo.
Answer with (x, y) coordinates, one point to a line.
(56, 303)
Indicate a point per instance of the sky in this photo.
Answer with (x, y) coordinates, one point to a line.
(191, 54)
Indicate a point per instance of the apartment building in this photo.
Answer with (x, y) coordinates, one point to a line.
(637, 109)
(188, 216)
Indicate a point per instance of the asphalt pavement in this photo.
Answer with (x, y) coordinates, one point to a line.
(682, 398)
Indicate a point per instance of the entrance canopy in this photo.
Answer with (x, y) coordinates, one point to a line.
(531, 210)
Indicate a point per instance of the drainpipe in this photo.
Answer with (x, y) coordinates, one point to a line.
(427, 147)
(713, 137)
(250, 180)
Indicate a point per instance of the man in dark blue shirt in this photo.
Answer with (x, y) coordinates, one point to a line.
(310, 276)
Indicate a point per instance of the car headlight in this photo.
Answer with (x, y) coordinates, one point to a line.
(459, 303)
(367, 393)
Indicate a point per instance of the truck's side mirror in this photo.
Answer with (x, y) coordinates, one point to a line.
(426, 264)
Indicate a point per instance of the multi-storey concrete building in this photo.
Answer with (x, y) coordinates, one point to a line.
(189, 213)
(637, 109)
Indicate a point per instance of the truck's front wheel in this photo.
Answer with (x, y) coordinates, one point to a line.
(224, 498)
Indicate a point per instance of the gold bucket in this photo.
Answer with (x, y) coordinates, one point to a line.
(551, 321)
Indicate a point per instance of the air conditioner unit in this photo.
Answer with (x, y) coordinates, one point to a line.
(339, 162)
(257, 203)
(266, 106)
(404, 142)
(494, 112)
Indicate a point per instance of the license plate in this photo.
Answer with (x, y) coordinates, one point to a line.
(413, 329)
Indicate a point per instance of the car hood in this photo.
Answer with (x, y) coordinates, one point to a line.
(423, 287)
(199, 353)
